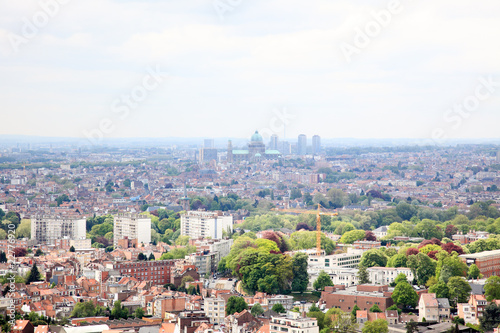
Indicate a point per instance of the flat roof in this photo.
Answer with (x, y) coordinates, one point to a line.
(481, 254)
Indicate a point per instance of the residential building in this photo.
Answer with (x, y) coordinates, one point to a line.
(48, 229)
(203, 224)
(316, 144)
(208, 155)
(156, 271)
(387, 275)
(363, 295)
(132, 226)
(23, 326)
(472, 311)
(204, 261)
(215, 310)
(189, 321)
(81, 244)
(380, 232)
(347, 277)
(295, 324)
(302, 145)
(285, 300)
(432, 308)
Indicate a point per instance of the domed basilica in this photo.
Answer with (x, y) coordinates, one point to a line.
(256, 151)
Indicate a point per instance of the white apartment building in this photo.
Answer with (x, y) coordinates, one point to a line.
(48, 229)
(340, 276)
(387, 275)
(132, 226)
(203, 224)
(350, 259)
(81, 244)
(215, 310)
(295, 324)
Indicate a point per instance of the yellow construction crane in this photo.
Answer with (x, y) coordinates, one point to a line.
(318, 228)
(318, 221)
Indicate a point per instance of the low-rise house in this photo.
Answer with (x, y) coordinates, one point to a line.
(432, 308)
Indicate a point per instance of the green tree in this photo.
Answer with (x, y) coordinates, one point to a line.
(235, 304)
(119, 311)
(376, 326)
(139, 313)
(257, 310)
(491, 317)
(354, 312)
(373, 257)
(141, 256)
(459, 290)
(401, 278)
(322, 281)
(363, 277)
(492, 288)
(319, 315)
(72, 249)
(422, 266)
(151, 256)
(449, 265)
(278, 307)
(474, 272)
(300, 276)
(440, 289)
(398, 260)
(34, 275)
(352, 236)
(83, 309)
(404, 295)
(375, 308)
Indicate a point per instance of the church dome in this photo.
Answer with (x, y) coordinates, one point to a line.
(256, 137)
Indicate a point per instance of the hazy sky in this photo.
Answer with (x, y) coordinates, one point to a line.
(229, 67)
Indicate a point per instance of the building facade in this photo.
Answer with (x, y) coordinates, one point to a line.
(291, 325)
(156, 271)
(203, 224)
(256, 151)
(488, 262)
(302, 145)
(46, 230)
(215, 310)
(132, 226)
(316, 144)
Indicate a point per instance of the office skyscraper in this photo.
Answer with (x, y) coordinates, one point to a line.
(208, 143)
(316, 144)
(302, 145)
(273, 143)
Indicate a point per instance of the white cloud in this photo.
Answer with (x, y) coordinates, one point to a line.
(227, 76)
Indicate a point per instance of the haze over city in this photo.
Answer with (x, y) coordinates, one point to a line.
(230, 65)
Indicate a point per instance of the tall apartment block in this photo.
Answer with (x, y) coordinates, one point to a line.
(316, 144)
(48, 229)
(131, 226)
(302, 145)
(202, 224)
